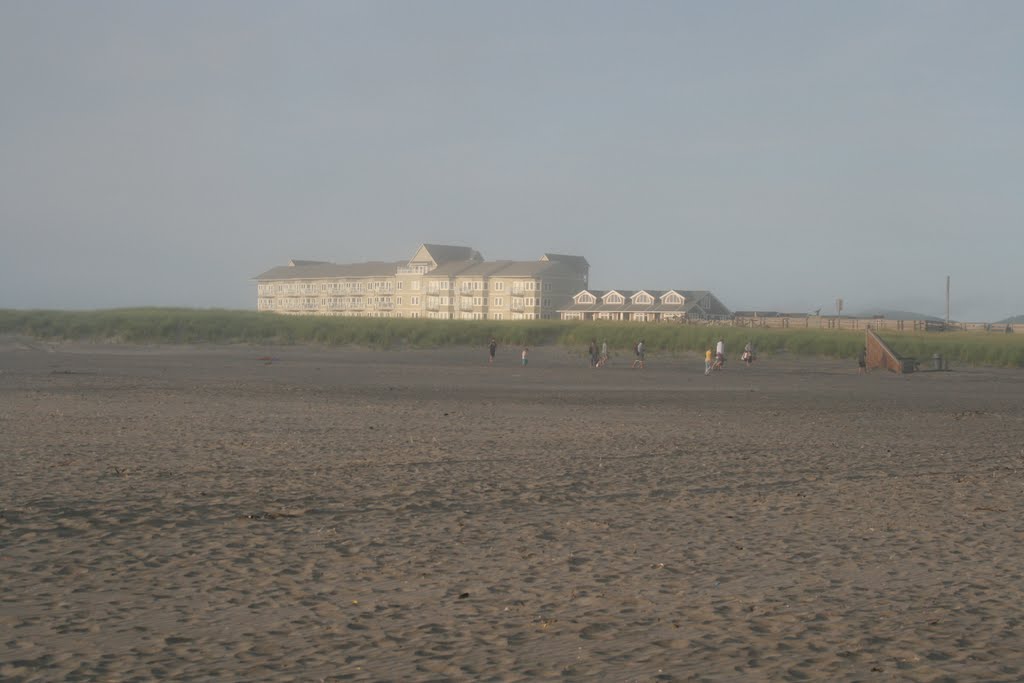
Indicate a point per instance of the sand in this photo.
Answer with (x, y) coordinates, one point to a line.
(249, 514)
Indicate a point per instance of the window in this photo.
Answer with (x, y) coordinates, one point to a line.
(398, 300)
(415, 301)
(416, 285)
(499, 286)
(497, 301)
(444, 284)
(497, 316)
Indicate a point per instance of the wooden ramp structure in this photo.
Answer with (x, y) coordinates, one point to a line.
(881, 355)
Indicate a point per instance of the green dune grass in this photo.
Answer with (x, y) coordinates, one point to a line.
(220, 326)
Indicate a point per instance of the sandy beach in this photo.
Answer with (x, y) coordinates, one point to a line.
(303, 514)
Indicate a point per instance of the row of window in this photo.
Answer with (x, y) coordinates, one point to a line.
(311, 304)
(267, 289)
(496, 302)
(618, 299)
(482, 301)
(295, 288)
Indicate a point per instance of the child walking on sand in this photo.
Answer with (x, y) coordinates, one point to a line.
(526, 352)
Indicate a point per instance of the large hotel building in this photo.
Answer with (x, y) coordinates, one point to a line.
(439, 281)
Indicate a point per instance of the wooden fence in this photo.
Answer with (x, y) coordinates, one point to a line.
(847, 323)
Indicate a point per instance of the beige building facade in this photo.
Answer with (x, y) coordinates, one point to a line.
(439, 282)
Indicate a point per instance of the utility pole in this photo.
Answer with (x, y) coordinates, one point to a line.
(947, 302)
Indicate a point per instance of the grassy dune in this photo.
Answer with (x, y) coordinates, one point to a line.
(192, 326)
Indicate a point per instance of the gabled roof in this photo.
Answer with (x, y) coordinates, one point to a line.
(473, 269)
(625, 293)
(444, 253)
(577, 263)
(534, 269)
(684, 307)
(305, 270)
(596, 293)
(529, 269)
(453, 268)
(654, 293)
(708, 302)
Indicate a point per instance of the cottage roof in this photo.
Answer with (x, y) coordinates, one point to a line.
(596, 293)
(577, 307)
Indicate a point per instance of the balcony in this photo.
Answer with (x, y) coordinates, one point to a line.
(466, 305)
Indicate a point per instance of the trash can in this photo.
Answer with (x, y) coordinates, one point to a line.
(937, 361)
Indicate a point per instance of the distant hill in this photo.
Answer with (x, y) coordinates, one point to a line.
(895, 315)
(1015, 320)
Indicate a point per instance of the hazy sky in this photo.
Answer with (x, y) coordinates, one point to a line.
(780, 154)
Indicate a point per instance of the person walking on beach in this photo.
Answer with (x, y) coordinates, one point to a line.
(748, 354)
(491, 350)
(707, 362)
(640, 352)
(720, 354)
(593, 353)
(526, 352)
(603, 360)
(862, 361)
